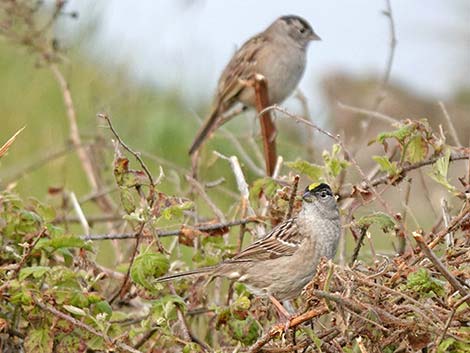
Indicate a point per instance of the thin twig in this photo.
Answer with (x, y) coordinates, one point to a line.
(84, 157)
(125, 282)
(402, 237)
(371, 113)
(242, 186)
(145, 338)
(446, 217)
(440, 266)
(403, 172)
(169, 233)
(454, 223)
(452, 130)
(77, 323)
(243, 154)
(343, 147)
(294, 322)
(200, 190)
(390, 58)
(359, 243)
(27, 253)
(128, 149)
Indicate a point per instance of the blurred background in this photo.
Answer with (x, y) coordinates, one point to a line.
(144, 63)
(153, 67)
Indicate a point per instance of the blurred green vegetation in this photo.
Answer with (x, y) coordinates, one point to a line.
(147, 118)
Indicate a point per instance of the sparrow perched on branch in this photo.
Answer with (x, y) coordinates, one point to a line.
(281, 263)
(278, 53)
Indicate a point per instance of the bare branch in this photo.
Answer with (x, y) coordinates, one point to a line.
(169, 233)
(84, 157)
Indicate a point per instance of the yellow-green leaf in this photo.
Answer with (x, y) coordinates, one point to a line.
(38, 341)
(416, 149)
(148, 266)
(383, 220)
(385, 165)
(313, 171)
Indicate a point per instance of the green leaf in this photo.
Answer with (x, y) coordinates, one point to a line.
(176, 211)
(422, 282)
(383, 220)
(245, 331)
(74, 310)
(39, 341)
(96, 343)
(334, 165)
(165, 308)
(239, 309)
(400, 134)
(127, 200)
(313, 171)
(390, 168)
(46, 212)
(148, 266)
(64, 241)
(440, 169)
(35, 271)
(67, 344)
(416, 149)
(268, 186)
(451, 345)
(104, 307)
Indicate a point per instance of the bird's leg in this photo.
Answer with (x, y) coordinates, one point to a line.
(284, 315)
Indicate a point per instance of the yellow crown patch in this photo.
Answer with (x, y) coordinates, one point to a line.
(313, 186)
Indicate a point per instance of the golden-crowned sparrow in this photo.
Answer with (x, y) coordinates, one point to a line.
(285, 260)
(278, 53)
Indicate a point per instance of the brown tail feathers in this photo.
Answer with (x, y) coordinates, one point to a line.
(207, 128)
(187, 273)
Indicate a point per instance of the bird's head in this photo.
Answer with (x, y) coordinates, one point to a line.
(320, 197)
(296, 28)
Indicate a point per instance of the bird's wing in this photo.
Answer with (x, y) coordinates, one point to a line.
(239, 68)
(284, 240)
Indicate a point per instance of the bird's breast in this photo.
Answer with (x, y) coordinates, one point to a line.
(282, 69)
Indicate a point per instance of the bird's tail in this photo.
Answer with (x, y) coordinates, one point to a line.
(196, 271)
(206, 129)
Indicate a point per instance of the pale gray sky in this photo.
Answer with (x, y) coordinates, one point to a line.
(186, 43)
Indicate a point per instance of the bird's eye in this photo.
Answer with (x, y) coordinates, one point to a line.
(323, 194)
(302, 30)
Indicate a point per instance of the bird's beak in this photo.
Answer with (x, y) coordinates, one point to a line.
(307, 196)
(314, 37)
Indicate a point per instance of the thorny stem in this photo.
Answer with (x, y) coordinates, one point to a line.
(127, 148)
(293, 194)
(168, 233)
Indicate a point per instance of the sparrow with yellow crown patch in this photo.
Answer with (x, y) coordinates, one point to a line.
(281, 263)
